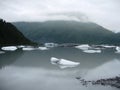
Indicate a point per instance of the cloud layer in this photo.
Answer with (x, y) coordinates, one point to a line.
(103, 12)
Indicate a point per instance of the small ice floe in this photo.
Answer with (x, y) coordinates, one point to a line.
(87, 49)
(117, 49)
(1, 52)
(28, 48)
(63, 63)
(92, 51)
(51, 45)
(83, 47)
(21, 46)
(9, 48)
(42, 48)
(108, 46)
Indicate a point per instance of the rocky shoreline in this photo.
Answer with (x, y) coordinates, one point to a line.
(113, 82)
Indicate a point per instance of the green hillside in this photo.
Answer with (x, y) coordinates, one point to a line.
(9, 35)
(67, 32)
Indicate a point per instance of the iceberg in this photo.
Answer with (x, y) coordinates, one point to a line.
(108, 46)
(117, 49)
(21, 46)
(28, 49)
(50, 45)
(92, 51)
(9, 48)
(63, 63)
(88, 49)
(43, 48)
(83, 47)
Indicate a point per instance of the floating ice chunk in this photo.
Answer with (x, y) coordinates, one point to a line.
(92, 51)
(83, 47)
(21, 46)
(107, 70)
(51, 45)
(1, 52)
(87, 49)
(9, 48)
(63, 63)
(117, 49)
(108, 46)
(28, 48)
(54, 60)
(43, 48)
(67, 62)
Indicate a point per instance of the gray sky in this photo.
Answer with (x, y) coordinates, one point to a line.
(103, 12)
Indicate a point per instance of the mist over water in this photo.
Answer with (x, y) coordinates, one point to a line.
(32, 70)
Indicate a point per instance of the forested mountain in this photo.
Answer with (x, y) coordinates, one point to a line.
(67, 32)
(10, 35)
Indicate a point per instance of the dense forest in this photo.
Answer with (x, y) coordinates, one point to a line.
(10, 35)
(68, 32)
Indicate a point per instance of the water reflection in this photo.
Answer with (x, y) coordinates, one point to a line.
(9, 57)
(23, 78)
(42, 58)
(107, 70)
(32, 70)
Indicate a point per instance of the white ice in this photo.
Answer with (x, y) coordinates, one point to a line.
(108, 46)
(83, 47)
(9, 48)
(21, 46)
(28, 48)
(117, 49)
(63, 63)
(43, 48)
(92, 51)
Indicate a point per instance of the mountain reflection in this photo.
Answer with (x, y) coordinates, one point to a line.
(107, 70)
(32, 70)
(9, 57)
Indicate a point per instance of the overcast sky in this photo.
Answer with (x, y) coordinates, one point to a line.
(102, 12)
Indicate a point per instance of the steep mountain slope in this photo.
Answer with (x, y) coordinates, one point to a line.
(9, 35)
(67, 32)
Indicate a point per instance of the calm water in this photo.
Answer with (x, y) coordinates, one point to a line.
(32, 70)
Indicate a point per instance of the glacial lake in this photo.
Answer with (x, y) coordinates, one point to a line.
(32, 70)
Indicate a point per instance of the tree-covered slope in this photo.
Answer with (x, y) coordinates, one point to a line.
(67, 32)
(9, 35)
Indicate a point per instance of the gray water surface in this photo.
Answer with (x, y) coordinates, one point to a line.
(32, 70)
